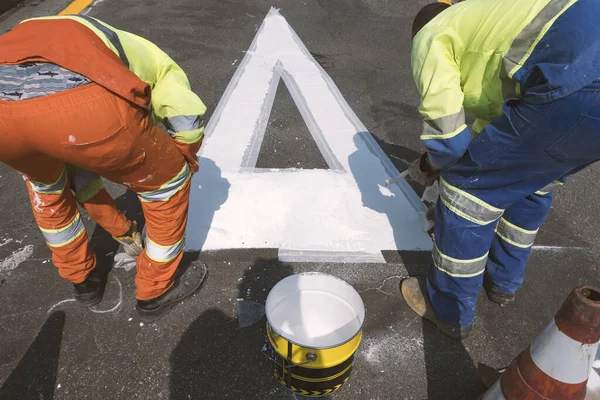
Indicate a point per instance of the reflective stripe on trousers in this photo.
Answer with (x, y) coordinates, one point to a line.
(468, 206)
(515, 235)
(161, 253)
(550, 187)
(169, 189)
(63, 236)
(51, 188)
(459, 268)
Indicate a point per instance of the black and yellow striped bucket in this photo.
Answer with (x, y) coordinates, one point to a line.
(314, 327)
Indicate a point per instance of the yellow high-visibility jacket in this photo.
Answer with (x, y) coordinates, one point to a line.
(173, 102)
(465, 59)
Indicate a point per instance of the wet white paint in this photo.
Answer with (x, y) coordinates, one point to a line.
(16, 258)
(315, 310)
(330, 213)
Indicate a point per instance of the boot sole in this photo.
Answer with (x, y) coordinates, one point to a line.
(149, 317)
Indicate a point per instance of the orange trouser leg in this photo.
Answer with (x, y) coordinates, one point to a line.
(165, 241)
(56, 213)
(102, 209)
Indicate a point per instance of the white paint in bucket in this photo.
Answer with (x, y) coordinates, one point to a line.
(315, 310)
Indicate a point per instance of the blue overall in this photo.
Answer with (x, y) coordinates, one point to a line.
(497, 195)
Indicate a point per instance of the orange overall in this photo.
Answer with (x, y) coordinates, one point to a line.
(103, 127)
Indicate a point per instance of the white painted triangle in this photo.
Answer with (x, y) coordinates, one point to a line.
(341, 214)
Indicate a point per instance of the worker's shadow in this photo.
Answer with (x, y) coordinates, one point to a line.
(451, 373)
(209, 190)
(370, 189)
(34, 377)
(217, 359)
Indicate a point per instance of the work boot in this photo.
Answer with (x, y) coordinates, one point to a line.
(185, 285)
(89, 292)
(414, 291)
(131, 241)
(495, 294)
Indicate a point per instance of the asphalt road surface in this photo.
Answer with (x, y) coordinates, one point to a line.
(51, 349)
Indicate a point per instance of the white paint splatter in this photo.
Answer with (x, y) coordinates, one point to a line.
(6, 241)
(141, 324)
(146, 178)
(376, 350)
(37, 202)
(385, 191)
(16, 258)
(72, 139)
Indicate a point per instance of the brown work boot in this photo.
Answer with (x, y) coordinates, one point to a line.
(495, 294)
(131, 241)
(414, 291)
(185, 285)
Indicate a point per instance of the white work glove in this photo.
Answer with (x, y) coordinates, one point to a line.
(422, 172)
(131, 241)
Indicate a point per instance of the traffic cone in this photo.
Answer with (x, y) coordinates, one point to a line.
(557, 365)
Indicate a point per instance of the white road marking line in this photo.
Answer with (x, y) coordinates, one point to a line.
(326, 212)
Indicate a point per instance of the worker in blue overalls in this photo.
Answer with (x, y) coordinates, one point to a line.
(528, 72)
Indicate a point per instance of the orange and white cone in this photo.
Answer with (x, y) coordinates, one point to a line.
(557, 365)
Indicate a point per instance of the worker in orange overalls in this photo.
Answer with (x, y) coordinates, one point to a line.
(79, 97)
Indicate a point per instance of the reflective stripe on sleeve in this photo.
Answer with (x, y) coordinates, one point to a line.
(183, 123)
(63, 236)
(110, 35)
(169, 189)
(458, 268)
(525, 42)
(160, 253)
(444, 127)
(468, 206)
(515, 235)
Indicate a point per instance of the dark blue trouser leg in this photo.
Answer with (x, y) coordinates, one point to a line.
(455, 279)
(512, 244)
